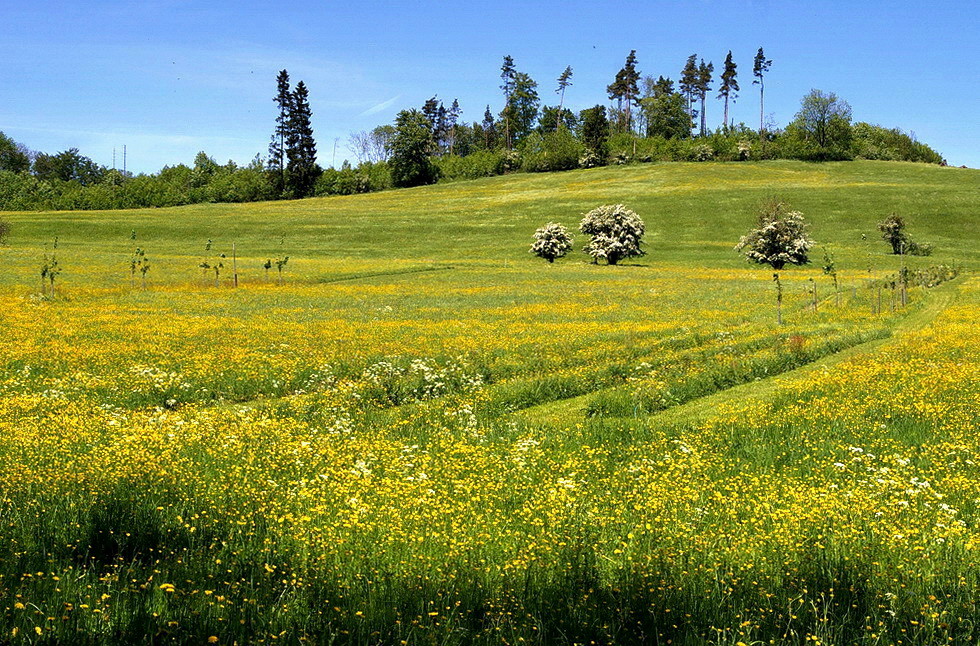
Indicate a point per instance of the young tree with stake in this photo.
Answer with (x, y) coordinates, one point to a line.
(830, 269)
(781, 237)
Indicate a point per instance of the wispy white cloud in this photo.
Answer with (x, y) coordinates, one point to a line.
(379, 107)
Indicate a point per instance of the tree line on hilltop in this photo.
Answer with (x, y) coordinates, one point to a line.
(646, 119)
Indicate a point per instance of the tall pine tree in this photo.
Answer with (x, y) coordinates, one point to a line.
(624, 89)
(300, 146)
(277, 147)
(507, 73)
(522, 108)
(703, 87)
(452, 116)
(689, 82)
(729, 85)
(759, 68)
(563, 82)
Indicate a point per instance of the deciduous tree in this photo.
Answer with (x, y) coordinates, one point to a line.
(551, 241)
(824, 120)
(781, 237)
(616, 233)
(523, 110)
(13, 156)
(411, 147)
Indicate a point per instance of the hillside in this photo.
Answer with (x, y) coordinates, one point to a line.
(699, 208)
(423, 434)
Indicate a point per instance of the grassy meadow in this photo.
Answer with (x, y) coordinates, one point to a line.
(425, 435)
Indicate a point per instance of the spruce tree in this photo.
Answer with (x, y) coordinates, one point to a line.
(595, 132)
(661, 87)
(759, 68)
(489, 126)
(729, 84)
(430, 109)
(277, 147)
(300, 146)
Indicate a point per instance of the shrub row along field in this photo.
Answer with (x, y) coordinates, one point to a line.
(426, 435)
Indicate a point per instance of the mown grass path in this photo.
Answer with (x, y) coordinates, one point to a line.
(564, 410)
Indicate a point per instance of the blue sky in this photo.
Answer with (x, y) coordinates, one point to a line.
(170, 78)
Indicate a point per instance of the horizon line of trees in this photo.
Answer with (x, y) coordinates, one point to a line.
(646, 119)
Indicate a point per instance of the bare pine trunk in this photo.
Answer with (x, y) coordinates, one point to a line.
(703, 120)
(762, 102)
(561, 102)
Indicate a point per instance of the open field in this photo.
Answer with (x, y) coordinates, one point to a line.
(425, 435)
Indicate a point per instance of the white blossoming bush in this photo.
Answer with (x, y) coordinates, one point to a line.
(616, 233)
(781, 237)
(551, 241)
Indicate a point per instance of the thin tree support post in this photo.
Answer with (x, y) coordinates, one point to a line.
(779, 298)
(234, 262)
(905, 278)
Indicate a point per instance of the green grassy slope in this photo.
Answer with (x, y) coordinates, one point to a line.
(392, 447)
(694, 214)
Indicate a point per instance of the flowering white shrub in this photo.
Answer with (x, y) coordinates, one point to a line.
(589, 160)
(616, 233)
(551, 241)
(780, 238)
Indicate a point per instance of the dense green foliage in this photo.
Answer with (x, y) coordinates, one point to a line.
(172, 186)
(650, 121)
(411, 147)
